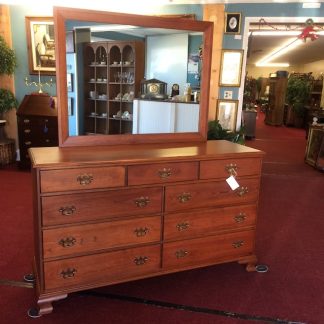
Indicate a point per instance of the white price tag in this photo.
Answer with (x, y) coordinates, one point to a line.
(232, 183)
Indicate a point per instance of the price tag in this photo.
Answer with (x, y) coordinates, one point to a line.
(232, 183)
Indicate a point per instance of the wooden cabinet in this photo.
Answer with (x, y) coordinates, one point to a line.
(276, 105)
(316, 94)
(37, 124)
(113, 214)
(112, 73)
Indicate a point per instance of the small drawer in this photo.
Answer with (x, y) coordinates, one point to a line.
(94, 237)
(82, 178)
(207, 250)
(214, 169)
(205, 222)
(91, 206)
(102, 268)
(210, 194)
(162, 173)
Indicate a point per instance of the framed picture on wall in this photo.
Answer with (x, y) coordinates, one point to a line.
(231, 68)
(70, 48)
(232, 22)
(40, 45)
(69, 82)
(314, 142)
(227, 113)
(70, 106)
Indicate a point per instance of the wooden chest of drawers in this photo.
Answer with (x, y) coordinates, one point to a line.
(108, 215)
(37, 124)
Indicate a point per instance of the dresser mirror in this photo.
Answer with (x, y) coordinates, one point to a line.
(67, 18)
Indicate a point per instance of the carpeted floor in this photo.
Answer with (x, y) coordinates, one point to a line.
(289, 240)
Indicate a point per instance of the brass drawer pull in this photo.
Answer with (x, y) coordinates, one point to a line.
(27, 131)
(140, 260)
(141, 231)
(142, 202)
(184, 197)
(68, 273)
(240, 218)
(28, 143)
(242, 191)
(182, 226)
(67, 211)
(26, 121)
(67, 242)
(181, 254)
(164, 173)
(237, 244)
(231, 169)
(85, 179)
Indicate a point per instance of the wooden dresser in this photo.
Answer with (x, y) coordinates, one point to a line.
(111, 214)
(37, 124)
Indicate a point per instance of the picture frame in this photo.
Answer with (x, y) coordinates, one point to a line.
(227, 113)
(320, 157)
(40, 45)
(69, 82)
(70, 106)
(231, 68)
(314, 142)
(70, 47)
(232, 22)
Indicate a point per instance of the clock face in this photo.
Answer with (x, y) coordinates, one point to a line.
(153, 88)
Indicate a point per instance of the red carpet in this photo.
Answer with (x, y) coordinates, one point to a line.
(290, 241)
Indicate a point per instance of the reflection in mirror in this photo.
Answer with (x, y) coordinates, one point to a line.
(114, 64)
(133, 79)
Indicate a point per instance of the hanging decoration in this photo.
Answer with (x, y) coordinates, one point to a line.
(308, 31)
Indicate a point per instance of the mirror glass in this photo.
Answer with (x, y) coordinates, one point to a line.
(140, 81)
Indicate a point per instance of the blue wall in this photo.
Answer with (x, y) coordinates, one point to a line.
(17, 16)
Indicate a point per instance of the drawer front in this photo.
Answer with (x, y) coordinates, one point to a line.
(95, 237)
(82, 178)
(204, 222)
(210, 194)
(74, 208)
(102, 268)
(224, 168)
(207, 250)
(162, 173)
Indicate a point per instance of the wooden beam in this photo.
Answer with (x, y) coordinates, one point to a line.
(216, 14)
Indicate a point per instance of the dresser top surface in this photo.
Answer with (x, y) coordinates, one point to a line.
(141, 153)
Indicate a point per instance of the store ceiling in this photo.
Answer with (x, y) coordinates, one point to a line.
(308, 52)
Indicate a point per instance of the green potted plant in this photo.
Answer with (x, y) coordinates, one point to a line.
(217, 132)
(297, 95)
(8, 64)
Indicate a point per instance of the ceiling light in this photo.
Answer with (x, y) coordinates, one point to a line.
(290, 45)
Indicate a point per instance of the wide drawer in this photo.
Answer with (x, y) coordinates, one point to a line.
(207, 250)
(82, 178)
(95, 237)
(210, 194)
(202, 222)
(162, 172)
(72, 208)
(102, 268)
(214, 169)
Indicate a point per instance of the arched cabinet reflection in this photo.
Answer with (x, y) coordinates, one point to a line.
(113, 72)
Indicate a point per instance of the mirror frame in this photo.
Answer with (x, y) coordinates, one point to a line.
(61, 15)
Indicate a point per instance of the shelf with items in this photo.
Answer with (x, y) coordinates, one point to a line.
(113, 72)
(316, 88)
